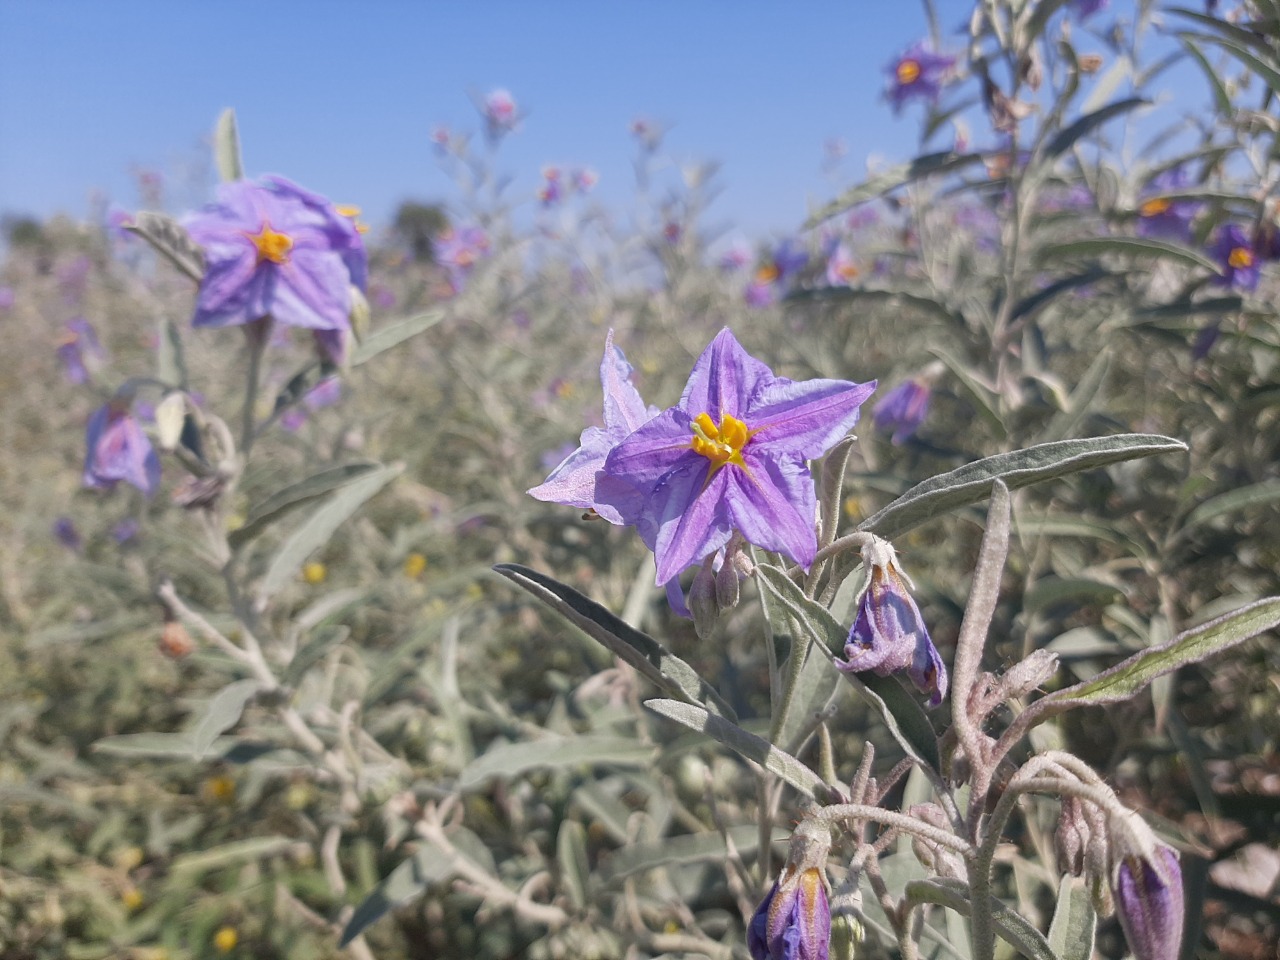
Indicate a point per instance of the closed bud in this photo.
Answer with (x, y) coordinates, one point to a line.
(727, 588)
(1072, 836)
(1146, 882)
(170, 415)
(702, 601)
(943, 861)
(794, 921)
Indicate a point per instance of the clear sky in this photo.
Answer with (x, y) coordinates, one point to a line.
(341, 95)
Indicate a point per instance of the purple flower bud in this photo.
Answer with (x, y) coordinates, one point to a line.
(794, 921)
(902, 410)
(117, 449)
(889, 634)
(125, 530)
(65, 532)
(500, 114)
(1148, 894)
(1233, 249)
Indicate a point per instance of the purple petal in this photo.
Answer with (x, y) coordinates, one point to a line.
(772, 503)
(724, 379)
(806, 419)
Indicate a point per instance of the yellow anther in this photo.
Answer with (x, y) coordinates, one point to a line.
(908, 72)
(720, 443)
(271, 245)
(1153, 208)
(348, 210)
(1240, 258)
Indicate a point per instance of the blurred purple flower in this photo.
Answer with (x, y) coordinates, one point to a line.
(889, 635)
(293, 419)
(735, 258)
(117, 220)
(1084, 9)
(919, 74)
(793, 922)
(65, 532)
(1205, 340)
(441, 137)
(500, 114)
(7, 298)
(1148, 896)
(647, 132)
(902, 410)
(731, 455)
(1159, 216)
(275, 250)
(458, 250)
(842, 268)
(382, 297)
(78, 342)
(73, 278)
(573, 482)
(585, 179)
(776, 272)
(116, 449)
(1233, 249)
(551, 190)
(324, 394)
(125, 530)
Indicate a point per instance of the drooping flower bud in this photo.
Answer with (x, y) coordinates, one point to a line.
(794, 921)
(1146, 882)
(702, 600)
(889, 634)
(1071, 837)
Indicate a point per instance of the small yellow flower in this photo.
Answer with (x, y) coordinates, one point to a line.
(475, 591)
(221, 788)
(225, 939)
(131, 898)
(414, 564)
(564, 389)
(126, 858)
(235, 521)
(314, 573)
(852, 507)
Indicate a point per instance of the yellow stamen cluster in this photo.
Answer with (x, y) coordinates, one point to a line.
(270, 245)
(767, 274)
(1240, 258)
(1153, 208)
(908, 72)
(720, 443)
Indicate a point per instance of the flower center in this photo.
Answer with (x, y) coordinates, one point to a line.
(271, 245)
(1240, 258)
(908, 72)
(720, 443)
(766, 274)
(1153, 208)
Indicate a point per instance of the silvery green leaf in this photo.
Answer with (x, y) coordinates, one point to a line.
(1067, 420)
(220, 714)
(171, 363)
(324, 640)
(284, 501)
(1233, 501)
(881, 183)
(401, 885)
(1125, 246)
(1020, 468)
(510, 760)
(177, 746)
(740, 741)
(234, 854)
(1077, 591)
(900, 711)
(391, 335)
(1013, 928)
(662, 668)
(571, 857)
(1063, 141)
(226, 147)
(170, 240)
(1074, 921)
(316, 531)
(1130, 676)
(170, 414)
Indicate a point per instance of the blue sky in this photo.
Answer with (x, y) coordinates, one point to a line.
(342, 96)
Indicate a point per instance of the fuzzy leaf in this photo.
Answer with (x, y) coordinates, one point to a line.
(1125, 246)
(571, 858)
(690, 848)
(510, 760)
(171, 240)
(1085, 125)
(401, 885)
(220, 714)
(1074, 921)
(1021, 468)
(316, 531)
(741, 742)
(285, 501)
(232, 854)
(662, 668)
(392, 335)
(226, 147)
(1256, 494)
(1013, 928)
(881, 183)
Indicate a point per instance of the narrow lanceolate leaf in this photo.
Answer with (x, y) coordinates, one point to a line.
(901, 712)
(316, 531)
(410, 879)
(1192, 646)
(571, 858)
(173, 746)
(1254, 495)
(689, 848)
(393, 334)
(863, 296)
(1125, 246)
(1074, 921)
(286, 500)
(220, 715)
(891, 179)
(170, 240)
(226, 147)
(743, 743)
(510, 760)
(233, 854)
(1082, 127)
(1265, 71)
(658, 664)
(1013, 928)
(1021, 468)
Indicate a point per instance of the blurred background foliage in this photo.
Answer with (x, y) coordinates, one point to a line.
(1007, 269)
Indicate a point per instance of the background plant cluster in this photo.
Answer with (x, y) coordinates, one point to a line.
(507, 793)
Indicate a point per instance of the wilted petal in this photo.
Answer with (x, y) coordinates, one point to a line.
(793, 922)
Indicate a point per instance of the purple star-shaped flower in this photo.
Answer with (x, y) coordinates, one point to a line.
(1233, 249)
(116, 449)
(275, 250)
(1160, 216)
(731, 455)
(902, 410)
(573, 482)
(919, 74)
(775, 274)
